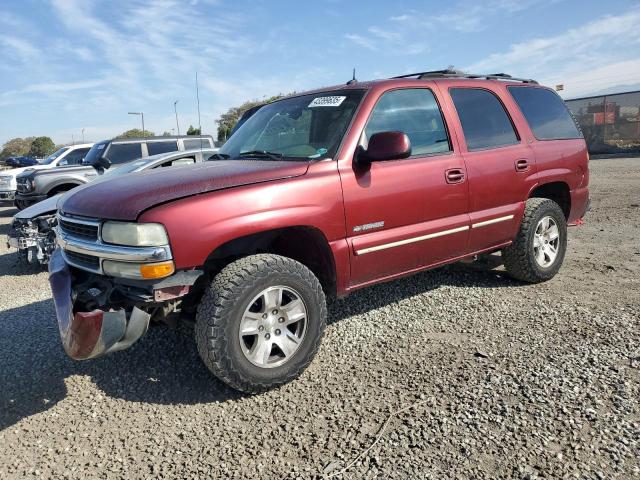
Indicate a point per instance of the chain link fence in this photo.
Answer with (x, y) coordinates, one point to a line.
(610, 123)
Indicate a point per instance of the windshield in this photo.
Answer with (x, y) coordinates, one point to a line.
(95, 153)
(305, 127)
(53, 156)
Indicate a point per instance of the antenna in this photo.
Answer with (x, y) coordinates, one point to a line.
(198, 99)
(353, 79)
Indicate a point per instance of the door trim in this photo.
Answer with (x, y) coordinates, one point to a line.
(399, 243)
(492, 221)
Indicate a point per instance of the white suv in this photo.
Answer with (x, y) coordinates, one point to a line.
(69, 155)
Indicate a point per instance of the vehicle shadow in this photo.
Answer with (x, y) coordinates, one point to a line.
(11, 263)
(8, 211)
(164, 366)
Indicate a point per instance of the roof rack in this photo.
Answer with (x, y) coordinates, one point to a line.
(451, 73)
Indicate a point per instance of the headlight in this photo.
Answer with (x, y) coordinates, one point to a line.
(141, 271)
(134, 234)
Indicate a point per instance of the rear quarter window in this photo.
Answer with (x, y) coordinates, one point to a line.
(196, 143)
(546, 113)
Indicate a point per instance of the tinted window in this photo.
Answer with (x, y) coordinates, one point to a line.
(162, 147)
(75, 157)
(484, 121)
(414, 112)
(545, 112)
(196, 143)
(123, 152)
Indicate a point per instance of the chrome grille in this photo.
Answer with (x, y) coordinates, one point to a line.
(81, 230)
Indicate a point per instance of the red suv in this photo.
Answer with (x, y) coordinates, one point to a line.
(319, 194)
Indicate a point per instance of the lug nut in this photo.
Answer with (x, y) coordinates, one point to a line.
(264, 315)
(277, 332)
(267, 336)
(261, 328)
(275, 312)
(281, 319)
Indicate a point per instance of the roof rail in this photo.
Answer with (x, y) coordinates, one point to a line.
(451, 73)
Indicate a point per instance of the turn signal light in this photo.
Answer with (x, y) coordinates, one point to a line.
(157, 270)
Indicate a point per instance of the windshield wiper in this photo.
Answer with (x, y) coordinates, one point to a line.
(260, 154)
(219, 156)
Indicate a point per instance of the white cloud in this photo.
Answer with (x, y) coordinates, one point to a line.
(361, 41)
(584, 59)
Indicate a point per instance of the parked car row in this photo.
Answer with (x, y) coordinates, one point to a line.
(17, 162)
(33, 229)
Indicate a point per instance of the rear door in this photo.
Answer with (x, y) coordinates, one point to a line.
(404, 214)
(500, 164)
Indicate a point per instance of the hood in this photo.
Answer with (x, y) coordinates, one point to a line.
(17, 171)
(45, 207)
(127, 196)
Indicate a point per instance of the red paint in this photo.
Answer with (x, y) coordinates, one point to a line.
(414, 197)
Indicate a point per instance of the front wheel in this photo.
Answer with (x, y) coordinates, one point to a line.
(538, 250)
(260, 322)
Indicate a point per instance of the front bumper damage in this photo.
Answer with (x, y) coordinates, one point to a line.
(97, 316)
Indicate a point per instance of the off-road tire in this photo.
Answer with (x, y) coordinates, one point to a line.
(223, 304)
(519, 259)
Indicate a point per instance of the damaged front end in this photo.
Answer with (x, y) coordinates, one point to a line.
(35, 239)
(106, 294)
(99, 315)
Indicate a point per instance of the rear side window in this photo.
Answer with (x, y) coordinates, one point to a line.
(413, 111)
(161, 147)
(124, 152)
(485, 122)
(196, 143)
(546, 113)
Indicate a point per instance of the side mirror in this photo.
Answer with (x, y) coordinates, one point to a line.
(101, 164)
(385, 146)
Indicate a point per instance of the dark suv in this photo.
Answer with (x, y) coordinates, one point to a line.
(320, 193)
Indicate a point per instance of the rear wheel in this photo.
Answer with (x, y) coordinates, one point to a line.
(260, 323)
(538, 251)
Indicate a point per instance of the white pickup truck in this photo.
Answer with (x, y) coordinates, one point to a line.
(69, 155)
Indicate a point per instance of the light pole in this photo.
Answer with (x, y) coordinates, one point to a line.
(175, 109)
(142, 115)
(83, 135)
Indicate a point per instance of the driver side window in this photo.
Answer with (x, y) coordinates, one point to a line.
(413, 111)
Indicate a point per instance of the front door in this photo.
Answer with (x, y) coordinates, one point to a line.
(405, 214)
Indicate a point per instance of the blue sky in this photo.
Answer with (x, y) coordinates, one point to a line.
(72, 64)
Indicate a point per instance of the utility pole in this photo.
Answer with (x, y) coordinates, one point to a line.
(198, 98)
(144, 133)
(73, 140)
(175, 109)
(83, 135)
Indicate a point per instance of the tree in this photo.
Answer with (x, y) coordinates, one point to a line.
(228, 120)
(167, 134)
(193, 131)
(136, 133)
(16, 147)
(42, 147)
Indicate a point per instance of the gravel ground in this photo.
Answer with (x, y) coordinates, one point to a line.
(502, 379)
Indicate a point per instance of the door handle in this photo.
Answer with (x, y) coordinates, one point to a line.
(454, 175)
(522, 165)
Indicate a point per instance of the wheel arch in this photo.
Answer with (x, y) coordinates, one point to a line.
(305, 244)
(62, 187)
(558, 191)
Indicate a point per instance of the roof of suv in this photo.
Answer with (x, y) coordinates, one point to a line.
(439, 76)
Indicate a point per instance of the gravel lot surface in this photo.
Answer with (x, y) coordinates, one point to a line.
(504, 380)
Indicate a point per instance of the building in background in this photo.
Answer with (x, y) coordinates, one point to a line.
(610, 123)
